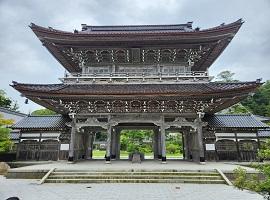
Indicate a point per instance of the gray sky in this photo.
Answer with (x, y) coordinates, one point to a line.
(24, 59)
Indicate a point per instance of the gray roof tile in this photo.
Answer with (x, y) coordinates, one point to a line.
(42, 122)
(234, 121)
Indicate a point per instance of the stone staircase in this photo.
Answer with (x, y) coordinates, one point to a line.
(199, 177)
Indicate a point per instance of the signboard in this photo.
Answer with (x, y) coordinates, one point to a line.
(64, 147)
(210, 147)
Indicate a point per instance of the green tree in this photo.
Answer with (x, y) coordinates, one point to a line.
(259, 103)
(236, 109)
(134, 140)
(5, 142)
(6, 102)
(264, 152)
(226, 76)
(43, 111)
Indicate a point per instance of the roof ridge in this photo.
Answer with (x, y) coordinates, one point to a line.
(13, 111)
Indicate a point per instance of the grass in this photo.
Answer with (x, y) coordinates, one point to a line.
(124, 154)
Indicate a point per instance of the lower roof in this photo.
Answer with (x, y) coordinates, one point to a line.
(58, 122)
(46, 122)
(192, 89)
(234, 121)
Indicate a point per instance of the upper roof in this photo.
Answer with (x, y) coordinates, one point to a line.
(131, 28)
(234, 121)
(45, 122)
(72, 49)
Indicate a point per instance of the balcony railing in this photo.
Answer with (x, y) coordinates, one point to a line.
(118, 76)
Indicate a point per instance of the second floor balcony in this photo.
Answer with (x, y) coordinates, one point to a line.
(135, 77)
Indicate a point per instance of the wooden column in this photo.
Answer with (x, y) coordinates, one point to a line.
(72, 141)
(108, 147)
(163, 143)
(155, 143)
(184, 144)
(200, 142)
(237, 147)
(113, 144)
(118, 143)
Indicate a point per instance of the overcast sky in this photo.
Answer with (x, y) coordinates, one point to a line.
(24, 59)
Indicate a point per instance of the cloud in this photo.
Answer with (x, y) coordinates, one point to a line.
(24, 59)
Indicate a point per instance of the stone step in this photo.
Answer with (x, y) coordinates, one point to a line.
(131, 176)
(137, 173)
(135, 181)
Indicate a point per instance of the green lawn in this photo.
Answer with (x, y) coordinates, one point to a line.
(124, 154)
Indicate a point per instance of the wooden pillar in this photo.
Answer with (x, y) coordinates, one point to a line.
(187, 145)
(159, 143)
(118, 143)
(183, 144)
(258, 140)
(108, 147)
(113, 144)
(156, 142)
(237, 147)
(72, 141)
(200, 142)
(163, 143)
(259, 145)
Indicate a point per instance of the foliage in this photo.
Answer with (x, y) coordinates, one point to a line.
(6, 102)
(172, 148)
(237, 109)
(226, 76)
(264, 186)
(43, 111)
(264, 152)
(242, 181)
(259, 103)
(174, 141)
(240, 176)
(5, 142)
(136, 141)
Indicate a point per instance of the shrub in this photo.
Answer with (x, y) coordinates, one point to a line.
(240, 176)
(172, 148)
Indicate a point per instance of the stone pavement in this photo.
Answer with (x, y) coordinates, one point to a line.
(29, 190)
(99, 165)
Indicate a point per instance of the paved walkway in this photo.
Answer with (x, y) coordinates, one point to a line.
(29, 190)
(99, 165)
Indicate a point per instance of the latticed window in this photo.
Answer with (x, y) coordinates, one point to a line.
(150, 56)
(166, 56)
(136, 106)
(106, 56)
(49, 145)
(120, 56)
(118, 106)
(153, 106)
(225, 145)
(247, 145)
(100, 106)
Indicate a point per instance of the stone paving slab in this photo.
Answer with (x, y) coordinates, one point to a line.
(29, 190)
(99, 165)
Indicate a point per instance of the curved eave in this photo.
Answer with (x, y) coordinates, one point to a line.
(58, 90)
(43, 33)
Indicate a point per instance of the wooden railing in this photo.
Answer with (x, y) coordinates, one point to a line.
(81, 77)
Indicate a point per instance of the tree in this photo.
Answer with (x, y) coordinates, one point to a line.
(259, 103)
(6, 102)
(43, 111)
(5, 142)
(133, 140)
(226, 76)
